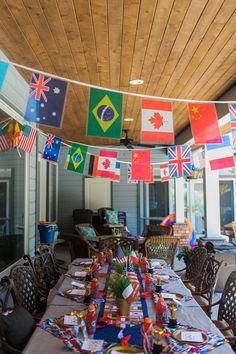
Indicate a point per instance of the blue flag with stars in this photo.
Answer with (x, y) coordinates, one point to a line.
(46, 100)
(52, 148)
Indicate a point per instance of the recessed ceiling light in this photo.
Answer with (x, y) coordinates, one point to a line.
(128, 119)
(136, 82)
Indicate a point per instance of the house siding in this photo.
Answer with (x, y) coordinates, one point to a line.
(125, 197)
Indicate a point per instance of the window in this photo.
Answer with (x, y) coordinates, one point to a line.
(158, 201)
(12, 183)
(227, 192)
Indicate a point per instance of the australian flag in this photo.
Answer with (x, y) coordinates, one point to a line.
(52, 148)
(46, 100)
(180, 161)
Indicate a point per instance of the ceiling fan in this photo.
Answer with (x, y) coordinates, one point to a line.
(130, 143)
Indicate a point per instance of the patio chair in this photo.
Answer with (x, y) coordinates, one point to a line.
(194, 264)
(226, 319)
(82, 216)
(45, 270)
(162, 247)
(206, 283)
(25, 290)
(113, 242)
(156, 230)
(78, 230)
(79, 247)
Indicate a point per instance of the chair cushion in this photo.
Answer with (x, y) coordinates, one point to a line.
(17, 327)
(221, 325)
(112, 217)
(87, 231)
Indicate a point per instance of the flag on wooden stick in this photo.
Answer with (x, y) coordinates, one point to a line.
(157, 122)
(105, 114)
(5, 142)
(204, 123)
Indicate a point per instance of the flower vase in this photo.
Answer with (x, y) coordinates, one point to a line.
(123, 307)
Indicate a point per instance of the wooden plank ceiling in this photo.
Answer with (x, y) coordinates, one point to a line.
(180, 48)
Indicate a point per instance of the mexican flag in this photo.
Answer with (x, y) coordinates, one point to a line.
(76, 158)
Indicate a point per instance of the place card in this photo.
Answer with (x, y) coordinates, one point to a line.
(78, 285)
(70, 320)
(80, 274)
(168, 296)
(93, 345)
(77, 292)
(191, 336)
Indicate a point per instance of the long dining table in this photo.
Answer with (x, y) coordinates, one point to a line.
(188, 312)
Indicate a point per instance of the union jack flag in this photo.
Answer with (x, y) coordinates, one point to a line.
(180, 161)
(232, 111)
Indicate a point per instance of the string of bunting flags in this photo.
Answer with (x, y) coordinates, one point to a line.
(46, 103)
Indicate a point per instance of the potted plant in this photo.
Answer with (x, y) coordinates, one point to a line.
(122, 289)
(184, 254)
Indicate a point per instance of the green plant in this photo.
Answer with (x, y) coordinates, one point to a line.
(118, 284)
(119, 267)
(185, 253)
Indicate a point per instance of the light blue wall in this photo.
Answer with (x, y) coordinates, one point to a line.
(125, 197)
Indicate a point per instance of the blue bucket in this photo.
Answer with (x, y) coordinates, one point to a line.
(47, 232)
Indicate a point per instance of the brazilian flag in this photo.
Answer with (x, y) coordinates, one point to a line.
(76, 158)
(105, 114)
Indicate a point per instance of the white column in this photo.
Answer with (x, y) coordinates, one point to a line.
(179, 200)
(212, 201)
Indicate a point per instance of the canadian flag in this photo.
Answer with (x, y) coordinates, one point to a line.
(164, 168)
(107, 164)
(157, 122)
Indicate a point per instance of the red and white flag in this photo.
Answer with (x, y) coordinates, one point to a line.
(27, 138)
(157, 122)
(107, 164)
(164, 169)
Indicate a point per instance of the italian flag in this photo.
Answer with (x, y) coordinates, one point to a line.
(128, 291)
(157, 122)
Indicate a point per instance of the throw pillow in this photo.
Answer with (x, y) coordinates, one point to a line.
(87, 231)
(17, 327)
(112, 217)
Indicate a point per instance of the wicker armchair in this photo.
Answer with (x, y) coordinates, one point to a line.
(79, 247)
(226, 320)
(205, 286)
(77, 229)
(163, 247)
(156, 230)
(26, 292)
(113, 242)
